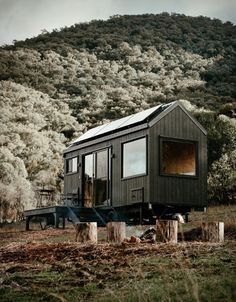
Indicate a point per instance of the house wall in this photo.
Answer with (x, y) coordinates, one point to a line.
(71, 180)
(122, 189)
(177, 190)
(153, 187)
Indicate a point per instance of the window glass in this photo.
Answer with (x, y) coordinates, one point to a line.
(88, 170)
(96, 179)
(88, 180)
(102, 161)
(134, 158)
(71, 165)
(178, 158)
(74, 164)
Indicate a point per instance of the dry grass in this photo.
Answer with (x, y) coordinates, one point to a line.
(226, 214)
(50, 266)
(105, 272)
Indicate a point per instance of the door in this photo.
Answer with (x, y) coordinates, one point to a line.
(96, 178)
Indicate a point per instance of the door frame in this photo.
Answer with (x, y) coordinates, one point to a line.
(109, 173)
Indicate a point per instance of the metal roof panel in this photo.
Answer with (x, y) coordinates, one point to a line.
(119, 124)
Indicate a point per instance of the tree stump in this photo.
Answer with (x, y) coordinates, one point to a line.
(116, 231)
(86, 232)
(213, 231)
(167, 231)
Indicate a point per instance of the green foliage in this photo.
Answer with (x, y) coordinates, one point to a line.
(199, 35)
(196, 35)
(221, 134)
(222, 178)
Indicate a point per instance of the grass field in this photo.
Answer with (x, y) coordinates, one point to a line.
(49, 266)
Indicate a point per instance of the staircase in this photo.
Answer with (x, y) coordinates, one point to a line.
(82, 214)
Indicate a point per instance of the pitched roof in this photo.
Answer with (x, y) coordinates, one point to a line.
(120, 124)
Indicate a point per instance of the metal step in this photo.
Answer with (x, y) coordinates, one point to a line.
(81, 214)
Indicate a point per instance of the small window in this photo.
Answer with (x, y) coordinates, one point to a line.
(71, 165)
(178, 157)
(134, 157)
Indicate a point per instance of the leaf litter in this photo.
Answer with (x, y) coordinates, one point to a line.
(74, 264)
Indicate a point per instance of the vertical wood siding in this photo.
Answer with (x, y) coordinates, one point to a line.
(173, 189)
(156, 188)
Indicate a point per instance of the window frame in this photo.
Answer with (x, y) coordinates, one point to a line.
(178, 140)
(122, 158)
(67, 165)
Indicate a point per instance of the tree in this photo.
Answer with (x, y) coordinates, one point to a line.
(222, 179)
(32, 127)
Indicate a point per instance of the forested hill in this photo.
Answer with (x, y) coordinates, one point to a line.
(58, 84)
(200, 35)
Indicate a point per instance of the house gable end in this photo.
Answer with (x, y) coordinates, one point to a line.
(171, 108)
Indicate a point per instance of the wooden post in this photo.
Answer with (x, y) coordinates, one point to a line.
(63, 222)
(28, 218)
(116, 231)
(56, 220)
(167, 231)
(86, 231)
(213, 231)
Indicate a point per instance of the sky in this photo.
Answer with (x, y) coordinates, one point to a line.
(21, 19)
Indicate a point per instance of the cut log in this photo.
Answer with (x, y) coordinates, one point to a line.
(86, 232)
(167, 231)
(116, 231)
(213, 231)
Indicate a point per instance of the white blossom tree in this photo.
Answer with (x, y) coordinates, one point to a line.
(32, 140)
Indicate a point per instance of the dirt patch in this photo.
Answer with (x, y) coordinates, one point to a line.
(102, 252)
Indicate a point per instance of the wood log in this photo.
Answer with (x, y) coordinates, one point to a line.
(213, 231)
(116, 231)
(86, 232)
(167, 231)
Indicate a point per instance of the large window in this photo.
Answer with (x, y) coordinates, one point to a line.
(178, 157)
(134, 157)
(71, 165)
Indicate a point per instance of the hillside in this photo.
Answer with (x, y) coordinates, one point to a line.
(166, 34)
(57, 85)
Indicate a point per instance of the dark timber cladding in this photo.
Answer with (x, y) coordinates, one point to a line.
(155, 157)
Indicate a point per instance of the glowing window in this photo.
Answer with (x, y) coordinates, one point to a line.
(178, 157)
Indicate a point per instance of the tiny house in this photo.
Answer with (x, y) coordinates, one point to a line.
(140, 167)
